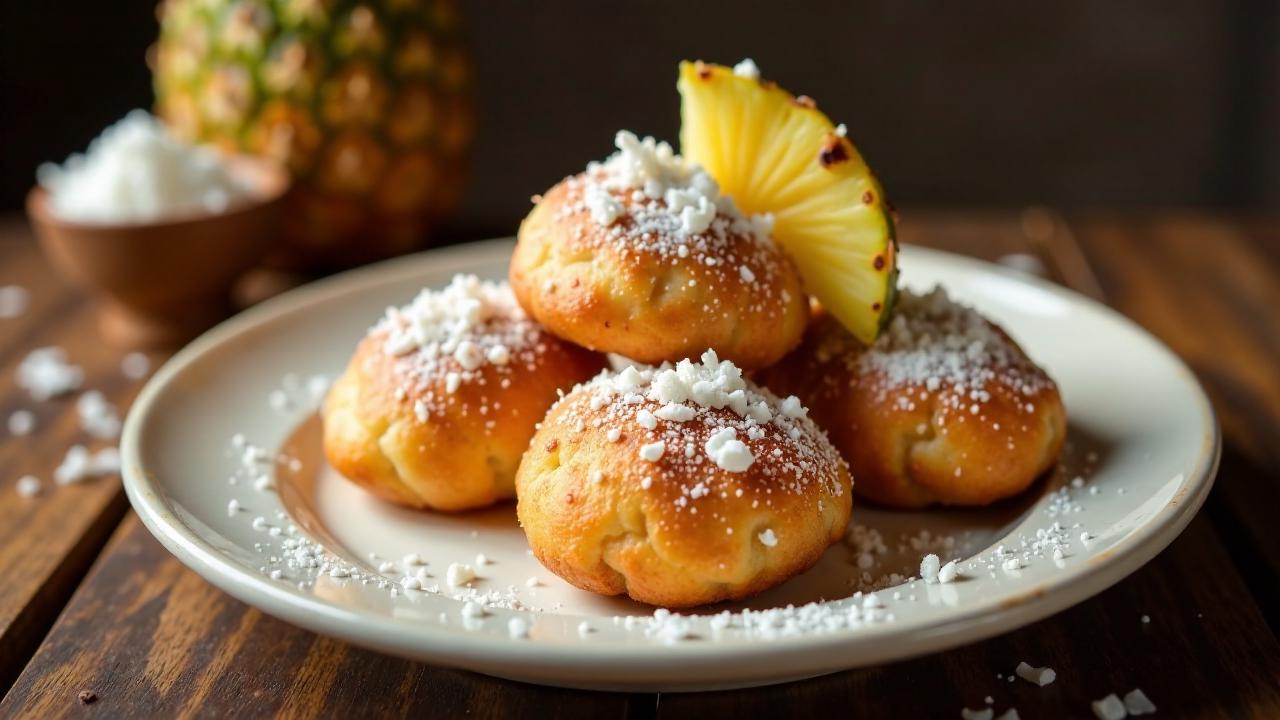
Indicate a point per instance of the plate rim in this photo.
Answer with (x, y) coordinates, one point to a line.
(480, 652)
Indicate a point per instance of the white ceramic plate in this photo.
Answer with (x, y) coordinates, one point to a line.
(1143, 436)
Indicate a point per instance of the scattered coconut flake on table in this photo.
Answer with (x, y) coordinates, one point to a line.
(1109, 708)
(296, 394)
(135, 366)
(98, 416)
(80, 464)
(1137, 703)
(1036, 675)
(13, 301)
(137, 171)
(21, 423)
(28, 486)
(45, 374)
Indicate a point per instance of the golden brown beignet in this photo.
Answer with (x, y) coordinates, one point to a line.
(680, 486)
(944, 408)
(640, 256)
(441, 398)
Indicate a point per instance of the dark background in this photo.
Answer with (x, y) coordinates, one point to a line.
(1094, 104)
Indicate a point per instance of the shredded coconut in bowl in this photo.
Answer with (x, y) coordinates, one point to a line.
(137, 171)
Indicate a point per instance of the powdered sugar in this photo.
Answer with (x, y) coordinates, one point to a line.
(453, 335)
(693, 415)
(647, 178)
(935, 343)
(645, 201)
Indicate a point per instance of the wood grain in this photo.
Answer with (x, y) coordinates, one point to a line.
(150, 638)
(1201, 286)
(1190, 659)
(48, 542)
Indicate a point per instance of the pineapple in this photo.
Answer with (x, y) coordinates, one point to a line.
(367, 104)
(776, 153)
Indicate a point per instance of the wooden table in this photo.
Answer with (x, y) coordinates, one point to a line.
(90, 603)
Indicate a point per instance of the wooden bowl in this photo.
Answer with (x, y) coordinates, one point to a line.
(162, 282)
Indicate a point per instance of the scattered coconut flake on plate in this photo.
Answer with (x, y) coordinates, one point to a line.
(13, 301)
(518, 628)
(459, 574)
(45, 374)
(137, 171)
(929, 567)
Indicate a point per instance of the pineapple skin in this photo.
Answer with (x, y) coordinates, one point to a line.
(368, 104)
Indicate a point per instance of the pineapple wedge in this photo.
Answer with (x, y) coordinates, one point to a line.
(776, 153)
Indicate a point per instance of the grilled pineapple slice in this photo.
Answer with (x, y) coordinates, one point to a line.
(777, 153)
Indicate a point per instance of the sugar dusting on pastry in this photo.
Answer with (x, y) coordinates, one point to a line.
(456, 330)
(646, 199)
(670, 407)
(934, 341)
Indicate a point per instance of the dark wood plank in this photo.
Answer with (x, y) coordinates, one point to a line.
(151, 639)
(1206, 630)
(1210, 289)
(47, 542)
(1202, 655)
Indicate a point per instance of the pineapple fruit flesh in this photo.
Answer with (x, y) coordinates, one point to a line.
(367, 103)
(776, 153)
